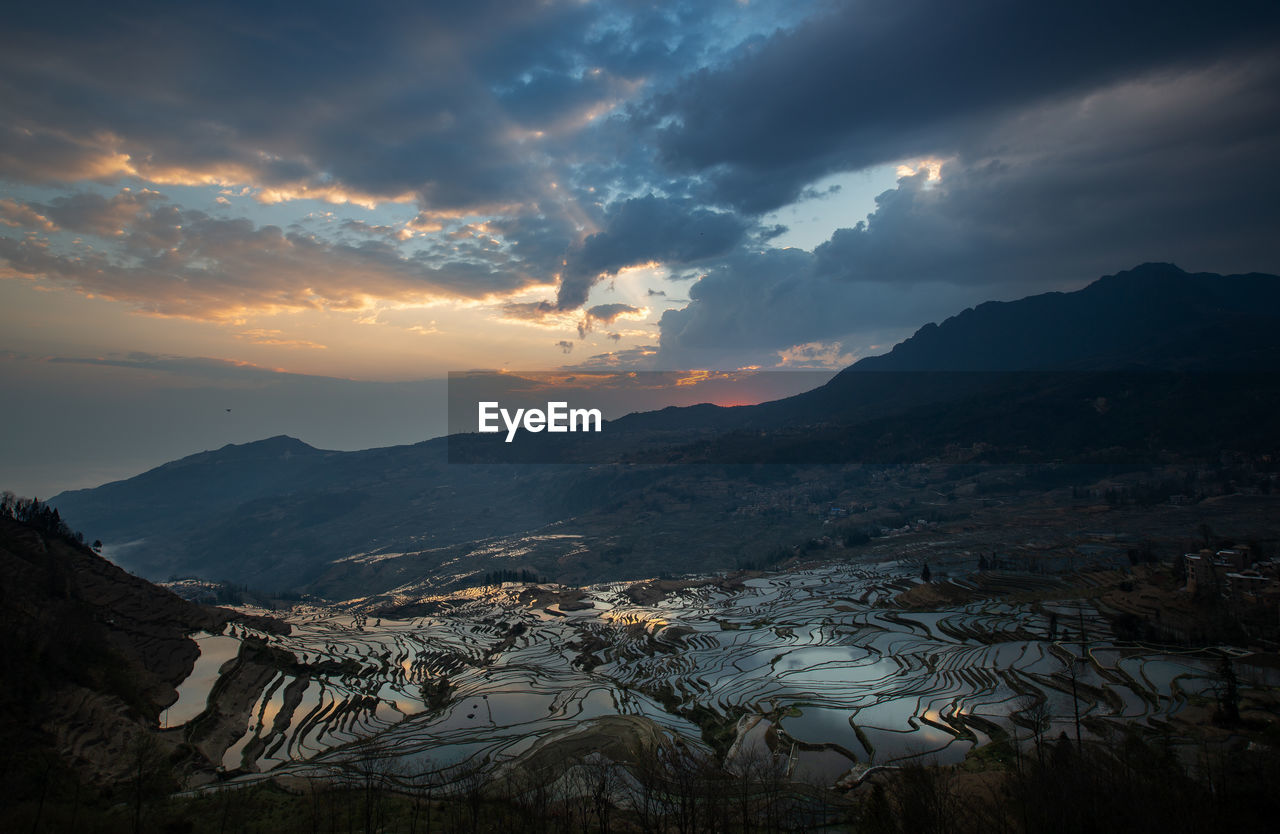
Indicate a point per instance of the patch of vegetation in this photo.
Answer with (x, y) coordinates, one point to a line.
(718, 731)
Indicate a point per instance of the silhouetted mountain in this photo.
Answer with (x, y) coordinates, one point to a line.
(1153, 316)
(193, 487)
(1147, 365)
(273, 514)
(1152, 363)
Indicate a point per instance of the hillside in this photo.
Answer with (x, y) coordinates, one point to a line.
(1153, 365)
(1154, 316)
(94, 655)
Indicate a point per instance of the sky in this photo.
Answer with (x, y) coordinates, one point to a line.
(221, 222)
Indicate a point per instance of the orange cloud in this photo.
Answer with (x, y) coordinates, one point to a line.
(21, 216)
(277, 338)
(168, 262)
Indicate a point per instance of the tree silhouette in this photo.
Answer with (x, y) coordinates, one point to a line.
(1228, 692)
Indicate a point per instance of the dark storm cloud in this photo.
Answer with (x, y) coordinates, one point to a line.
(872, 83)
(187, 94)
(1080, 138)
(92, 213)
(1176, 167)
(647, 229)
(538, 240)
(1042, 215)
(374, 100)
(379, 100)
(465, 109)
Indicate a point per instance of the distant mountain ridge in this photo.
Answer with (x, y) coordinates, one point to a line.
(279, 514)
(1154, 317)
(186, 489)
(1149, 316)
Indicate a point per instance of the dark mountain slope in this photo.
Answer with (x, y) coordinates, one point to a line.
(93, 656)
(184, 492)
(1139, 365)
(272, 514)
(1148, 315)
(1154, 317)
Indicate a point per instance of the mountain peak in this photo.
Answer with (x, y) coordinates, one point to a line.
(279, 443)
(1150, 310)
(1147, 269)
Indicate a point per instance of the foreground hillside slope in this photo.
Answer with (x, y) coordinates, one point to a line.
(94, 655)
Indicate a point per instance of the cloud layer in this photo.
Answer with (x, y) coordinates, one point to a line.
(176, 262)
(524, 157)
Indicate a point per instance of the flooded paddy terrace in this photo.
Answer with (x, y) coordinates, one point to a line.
(818, 665)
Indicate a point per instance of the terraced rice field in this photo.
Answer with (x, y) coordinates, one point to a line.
(817, 664)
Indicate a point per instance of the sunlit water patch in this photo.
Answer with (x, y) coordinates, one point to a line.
(193, 693)
(833, 675)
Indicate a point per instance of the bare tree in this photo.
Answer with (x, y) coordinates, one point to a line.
(471, 786)
(925, 800)
(683, 767)
(150, 773)
(530, 793)
(422, 786)
(1033, 710)
(376, 768)
(647, 789)
(605, 784)
(750, 766)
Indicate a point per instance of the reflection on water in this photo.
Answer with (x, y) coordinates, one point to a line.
(193, 693)
(815, 725)
(854, 679)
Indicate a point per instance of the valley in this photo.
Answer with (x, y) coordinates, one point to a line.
(990, 570)
(823, 666)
